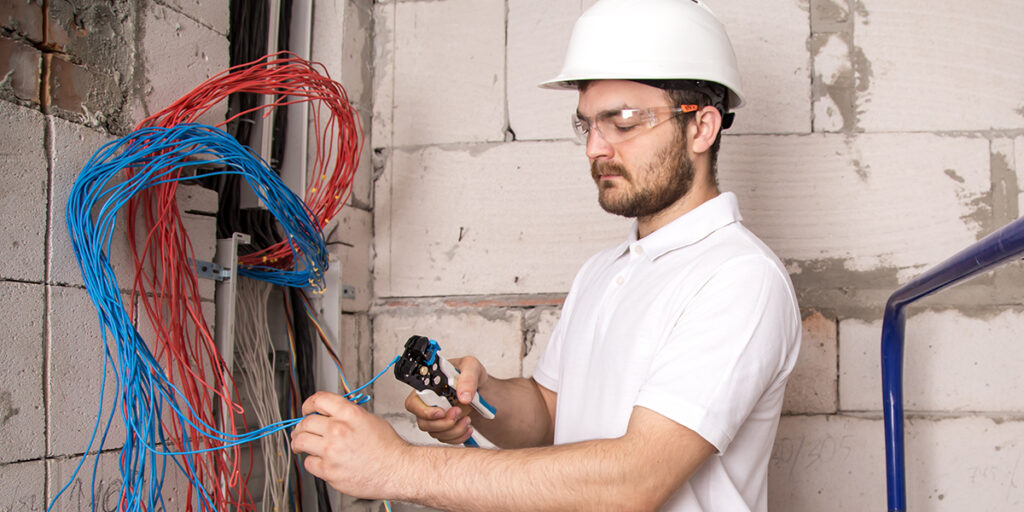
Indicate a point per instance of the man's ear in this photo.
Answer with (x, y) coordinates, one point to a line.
(703, 129)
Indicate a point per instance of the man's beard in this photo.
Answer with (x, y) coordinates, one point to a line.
(670, 177)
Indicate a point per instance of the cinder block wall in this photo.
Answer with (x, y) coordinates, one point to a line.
(73, 76)
(880, 138)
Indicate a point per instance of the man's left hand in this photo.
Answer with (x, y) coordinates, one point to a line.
(354, 451)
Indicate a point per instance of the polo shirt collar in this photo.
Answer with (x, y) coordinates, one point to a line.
(690, 228)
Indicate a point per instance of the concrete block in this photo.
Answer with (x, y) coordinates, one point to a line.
(512, 218)
(20, 67)
(202, 233)
(830, 16)
(1018, 170)
(355, 350)
(76, 366)
(547, 319)
(352, 243)
(24, 18)
(835, 81)
(215, 15)
(538, 35)
(494, 336)
(837, 463)
(449, 83)
(812, 385)
(21, 372)
(179, 54)
(771, 52)
(383, 75)
(106, 486)
(888, 202)
(23, 486)
(953, 361)
(362, 182)
(76, 145)
(22, 192)
(917, 80)
(827, 462)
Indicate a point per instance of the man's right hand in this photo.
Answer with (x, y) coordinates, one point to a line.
(452, 426)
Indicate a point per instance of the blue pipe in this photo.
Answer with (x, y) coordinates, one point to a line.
(995, 249)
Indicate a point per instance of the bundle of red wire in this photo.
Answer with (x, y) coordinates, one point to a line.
(166, 284)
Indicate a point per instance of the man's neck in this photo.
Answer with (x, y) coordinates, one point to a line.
(701, 192)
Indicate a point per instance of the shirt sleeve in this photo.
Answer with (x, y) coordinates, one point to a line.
(735, 339)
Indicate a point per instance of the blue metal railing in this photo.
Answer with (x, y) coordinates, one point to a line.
(993, 250)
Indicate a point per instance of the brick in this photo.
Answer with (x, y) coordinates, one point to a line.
(952, 362)
(23, 486)
(771, 52)
(383, 75)
(20, 71)
(900, 202)
(362, 182)
(492, 336)
(487, 220)
(179, 55)
(812, 385)
(977, 89)
(538, 35)
(449, 83)
(828, 462)
(78, 90)
(547, 318)
(106, 486)
(76, 366)
(22, 192)
(24, 18)
(355, 236)
(76, 145)
(21, 372)
(213, 14)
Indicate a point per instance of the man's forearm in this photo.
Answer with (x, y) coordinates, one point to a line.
(523, 419)
(595, 475)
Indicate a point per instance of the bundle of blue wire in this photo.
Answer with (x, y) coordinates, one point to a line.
(144, 393)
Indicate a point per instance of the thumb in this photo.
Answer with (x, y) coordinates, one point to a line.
(471, 375)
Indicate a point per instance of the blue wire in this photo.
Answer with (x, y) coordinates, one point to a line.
(157, 156)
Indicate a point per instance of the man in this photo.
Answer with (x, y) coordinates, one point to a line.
(663, 382)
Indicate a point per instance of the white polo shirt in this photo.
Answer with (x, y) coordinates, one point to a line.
(698, 322)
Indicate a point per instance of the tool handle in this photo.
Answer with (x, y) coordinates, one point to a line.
(432, 399)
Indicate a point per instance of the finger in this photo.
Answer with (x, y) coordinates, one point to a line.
(457, 434)
(313, 424)
(315, 465)
(304, 442)
(327, 404)
(469, 378)
(448, 420)
(416, 405)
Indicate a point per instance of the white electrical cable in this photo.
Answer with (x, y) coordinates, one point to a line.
(254, 360)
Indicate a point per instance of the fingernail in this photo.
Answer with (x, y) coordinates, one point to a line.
(465, 397)
(458, 414)
(436, 414)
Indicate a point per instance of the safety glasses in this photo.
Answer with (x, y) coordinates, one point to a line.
(615, 126)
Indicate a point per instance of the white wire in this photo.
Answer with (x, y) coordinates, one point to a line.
(254, 356)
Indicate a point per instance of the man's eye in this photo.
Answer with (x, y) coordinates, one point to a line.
(624, 127)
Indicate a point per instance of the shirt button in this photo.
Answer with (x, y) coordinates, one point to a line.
(619, 280)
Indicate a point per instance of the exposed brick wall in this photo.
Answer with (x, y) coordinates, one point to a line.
(879, 138)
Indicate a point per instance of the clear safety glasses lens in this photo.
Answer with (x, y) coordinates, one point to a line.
(615, 126)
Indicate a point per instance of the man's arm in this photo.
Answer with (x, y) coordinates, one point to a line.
(361, 455)
(525, 417)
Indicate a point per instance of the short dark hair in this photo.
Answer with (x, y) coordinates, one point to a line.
(702, 94)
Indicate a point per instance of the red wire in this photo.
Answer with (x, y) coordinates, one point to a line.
(166, 285)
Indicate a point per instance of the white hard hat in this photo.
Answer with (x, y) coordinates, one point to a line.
(650, 40)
